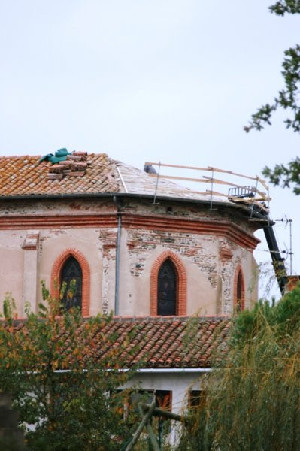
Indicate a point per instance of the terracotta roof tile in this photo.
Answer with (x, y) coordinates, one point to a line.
(167, 342)
(153, 342)
(25, 176)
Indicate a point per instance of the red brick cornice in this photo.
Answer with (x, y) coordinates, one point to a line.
(55, 277)
(185, 225)
(181, 282)
(150, 222)
(67, 221)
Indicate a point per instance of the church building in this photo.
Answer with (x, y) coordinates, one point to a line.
(136, 244)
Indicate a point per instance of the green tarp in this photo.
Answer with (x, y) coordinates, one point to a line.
(60, 155)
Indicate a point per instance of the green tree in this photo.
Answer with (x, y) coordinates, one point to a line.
(285, 175)
(252, 399)
(287, 99)
(62, 383)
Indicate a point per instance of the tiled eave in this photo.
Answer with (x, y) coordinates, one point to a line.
(159, 342)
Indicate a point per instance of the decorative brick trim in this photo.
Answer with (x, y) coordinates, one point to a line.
(235, 289)
(55, 277)
(199, 227)
(58, 221)
(181, 283)
(154, 222)
(225, 253)
(31, 242)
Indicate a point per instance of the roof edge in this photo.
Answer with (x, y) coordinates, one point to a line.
(120, 195)
(256, 216)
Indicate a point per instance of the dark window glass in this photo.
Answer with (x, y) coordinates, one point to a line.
(239, 301)
(197, 398)
(71, 275)
(167, 289)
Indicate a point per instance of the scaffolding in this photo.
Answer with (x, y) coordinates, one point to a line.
(230, 186)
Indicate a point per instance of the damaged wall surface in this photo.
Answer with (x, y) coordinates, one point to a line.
(209, 245)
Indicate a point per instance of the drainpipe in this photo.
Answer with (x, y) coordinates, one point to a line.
(117, 278)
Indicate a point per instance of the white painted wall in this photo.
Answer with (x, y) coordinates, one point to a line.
(178, 381)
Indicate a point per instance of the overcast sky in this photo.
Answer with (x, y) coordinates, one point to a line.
(163, 80)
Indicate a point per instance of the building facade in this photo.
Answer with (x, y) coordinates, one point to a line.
(134, 246)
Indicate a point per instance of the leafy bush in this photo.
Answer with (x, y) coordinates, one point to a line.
(252, 402)
(61, 385)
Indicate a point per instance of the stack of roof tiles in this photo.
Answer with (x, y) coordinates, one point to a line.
(74, 166)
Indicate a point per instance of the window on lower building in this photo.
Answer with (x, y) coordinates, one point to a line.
(71, 284)
(196, 399)
(167, 289)
(164, 399)
(161, 426)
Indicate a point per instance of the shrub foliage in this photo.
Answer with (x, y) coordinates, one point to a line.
(64, 390)
(252, 402)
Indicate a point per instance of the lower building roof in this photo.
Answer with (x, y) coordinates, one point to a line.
(151, 342)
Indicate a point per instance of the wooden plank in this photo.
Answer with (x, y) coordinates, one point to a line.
(143, 422)
(261, 193)
(250, 200)
(204, 180)
(264, 184)
(149, 430)
(222, 182)
(157, 412)
(172, 177)
(256, 178)
(177, 166)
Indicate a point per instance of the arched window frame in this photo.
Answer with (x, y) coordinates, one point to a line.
(56, 272)
(238, 272)
(181, 282)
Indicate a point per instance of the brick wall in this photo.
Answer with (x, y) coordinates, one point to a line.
(208, 244)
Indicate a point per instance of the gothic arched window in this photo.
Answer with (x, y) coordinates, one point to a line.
(167, 289)
(239, 303)
(71, 276)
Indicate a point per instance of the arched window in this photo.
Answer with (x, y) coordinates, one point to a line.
(167, 289)
(82, 273)
(167, 286)
(71, 278)
(239, 291)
